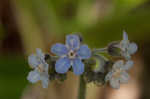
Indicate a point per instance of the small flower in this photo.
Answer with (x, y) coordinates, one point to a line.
(118, 74)
(127, 48)
(71, 54)
(40, 72)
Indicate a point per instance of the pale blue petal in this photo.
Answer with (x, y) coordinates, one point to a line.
(126, 55)
(45, 80)
(132, 48)
(114, 83)
(125, 36)
(84, 52)
(125, 42)
(46, 67)
(33, 76)
(62, 65)
(73, 41)
(59, 49)
(124, 77)
(118, 64)
(39, 53)
(33, 61)
(78, 66)
(108, 76)
(128, 65)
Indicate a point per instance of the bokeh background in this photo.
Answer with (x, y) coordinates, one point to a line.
(29, 24)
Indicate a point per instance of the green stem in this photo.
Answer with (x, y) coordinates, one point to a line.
(100, 50)
(82, 89)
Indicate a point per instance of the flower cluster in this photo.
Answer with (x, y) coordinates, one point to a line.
(118, 73)
(40, 72)
(81, 60)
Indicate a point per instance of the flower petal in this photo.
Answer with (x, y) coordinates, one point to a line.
(45, 80)
(128, 65)
(132, 48)
(118, 64)
(126, 55)
(46, 67)
(115, 83)
(125, 42)
(84, 52)
(33, 76)
(125, 36)
(108, 76)
(124, 77)
(62, 65)
(59, 49)
(78, 66)
(73, 41)
(33, 61)
(39, 53)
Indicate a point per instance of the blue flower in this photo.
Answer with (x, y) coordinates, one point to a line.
(71, 54)
(118, 74)
(127, 48)
(40, 72)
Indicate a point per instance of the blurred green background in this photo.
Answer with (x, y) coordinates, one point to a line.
(29, 24)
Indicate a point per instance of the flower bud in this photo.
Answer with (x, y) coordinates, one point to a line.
(113, 50)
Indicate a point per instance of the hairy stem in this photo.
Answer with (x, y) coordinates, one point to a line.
(100, 50)
(82, 89)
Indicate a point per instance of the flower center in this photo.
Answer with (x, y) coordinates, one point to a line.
(41, 68)
(117, 73)
(71, 54)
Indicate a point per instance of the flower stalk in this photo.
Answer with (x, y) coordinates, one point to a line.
(100, 50)
(82, 88)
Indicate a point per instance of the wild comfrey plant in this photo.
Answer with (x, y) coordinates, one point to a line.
(90, 65)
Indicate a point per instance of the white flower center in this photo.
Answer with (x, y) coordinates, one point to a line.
(71, 54)
(41, 68)
(117, 73)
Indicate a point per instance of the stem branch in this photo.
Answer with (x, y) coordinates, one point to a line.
(100, 50)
